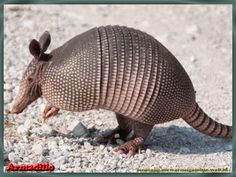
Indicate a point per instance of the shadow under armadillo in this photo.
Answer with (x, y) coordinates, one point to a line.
(184, 140)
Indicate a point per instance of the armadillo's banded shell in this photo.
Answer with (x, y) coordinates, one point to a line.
(120, 69)
(140, 78)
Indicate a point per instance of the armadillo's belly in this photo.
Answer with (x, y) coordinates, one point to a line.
(140, 78)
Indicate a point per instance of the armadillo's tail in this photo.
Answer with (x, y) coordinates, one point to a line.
(199, 120)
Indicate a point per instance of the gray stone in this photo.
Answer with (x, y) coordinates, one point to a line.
(80, 130)
(119, 141)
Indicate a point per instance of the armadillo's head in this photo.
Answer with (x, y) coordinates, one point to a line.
(30, 84)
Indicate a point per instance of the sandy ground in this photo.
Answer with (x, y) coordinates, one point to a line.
(199, 36)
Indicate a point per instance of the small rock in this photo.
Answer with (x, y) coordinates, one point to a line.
(88, 146)
(101, 147)
(119, 141)
(80, 130)
(45, 152)
(117, 135)
(91, 127)
(184, 150)
(23, 130)
(98, 122)
(27, 123)
(7, 97)
(37, 148)
(25, 139)
(141, 157)
(148, 152)
(100, 167)
(13, 157)
(8, 87)
(52, 144)
(193, 59)
(47, 130)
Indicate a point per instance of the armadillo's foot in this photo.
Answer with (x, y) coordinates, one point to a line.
(123, 130)
(49, 111)
(130, 148)
(109, 137)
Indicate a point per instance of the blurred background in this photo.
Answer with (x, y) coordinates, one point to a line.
(200, 36)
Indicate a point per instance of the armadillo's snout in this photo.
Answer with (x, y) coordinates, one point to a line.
(17, 108)
(15, 111)
(20, 104)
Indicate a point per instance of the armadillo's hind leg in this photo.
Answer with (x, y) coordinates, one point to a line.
(49, 111)
(141, 132)
(123, 129)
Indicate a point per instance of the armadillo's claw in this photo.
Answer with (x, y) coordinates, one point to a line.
(129, 148)
(49, 111)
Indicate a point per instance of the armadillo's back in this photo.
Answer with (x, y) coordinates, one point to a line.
(120, 69)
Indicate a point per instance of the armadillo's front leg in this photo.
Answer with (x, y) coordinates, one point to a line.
(123, 129)
(141, 131)
(49, 111)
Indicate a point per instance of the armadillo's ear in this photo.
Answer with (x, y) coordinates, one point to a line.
(34, 48)
(44, 41)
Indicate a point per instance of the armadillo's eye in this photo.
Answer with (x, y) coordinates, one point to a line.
(30, 79)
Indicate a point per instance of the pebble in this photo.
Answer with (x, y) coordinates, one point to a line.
(13, 157)
(47, 130)
(141, 157)
(27, 123)
(37, 148)
(148, 152)
(99, 167)
(98, 122)
(88, 146)
(80, 130)
(45, 152)
(52, 144)
(119, 141)
(101, 147)
(8, 87)
(23, 130)
(193, 59)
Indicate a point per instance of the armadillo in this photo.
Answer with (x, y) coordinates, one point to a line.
(120, 69)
